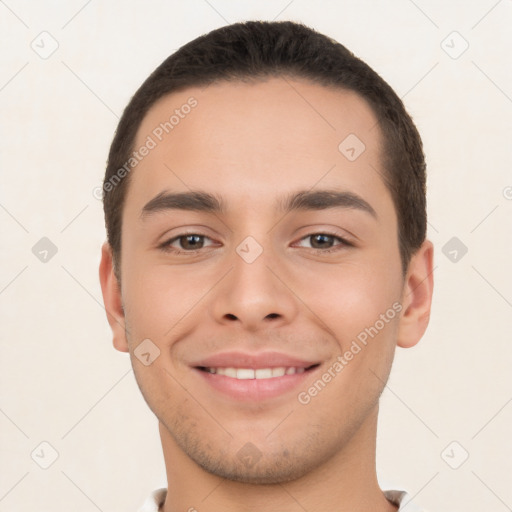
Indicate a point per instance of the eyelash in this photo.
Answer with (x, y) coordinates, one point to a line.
(166, 246)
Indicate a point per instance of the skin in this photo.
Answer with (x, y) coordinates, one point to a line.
(252, 144)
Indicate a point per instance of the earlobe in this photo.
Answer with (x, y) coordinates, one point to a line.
(112, 299)
(417, 296)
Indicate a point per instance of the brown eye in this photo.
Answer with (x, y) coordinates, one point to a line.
(185, 243)
(325, 242)
(191, 242)
(321, 241)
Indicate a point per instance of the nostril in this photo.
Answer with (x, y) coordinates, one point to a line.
(231, 316)
(272, 315)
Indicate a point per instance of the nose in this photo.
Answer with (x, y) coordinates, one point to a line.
(255, 294)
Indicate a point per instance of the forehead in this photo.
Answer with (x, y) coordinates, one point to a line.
(250, 140)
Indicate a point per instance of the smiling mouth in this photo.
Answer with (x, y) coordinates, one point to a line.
(256, 373)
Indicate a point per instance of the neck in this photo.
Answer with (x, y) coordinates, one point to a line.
(345, 482)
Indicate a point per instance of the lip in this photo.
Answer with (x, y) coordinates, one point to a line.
(250, 390)
(247, 360)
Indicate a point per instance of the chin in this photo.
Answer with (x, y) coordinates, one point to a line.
(263, 476)
(268, 470)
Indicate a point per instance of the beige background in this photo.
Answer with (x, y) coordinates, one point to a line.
(61, 380)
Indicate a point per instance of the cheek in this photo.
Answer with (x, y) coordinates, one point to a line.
(161, 302)
(361, 310)
(349, 298)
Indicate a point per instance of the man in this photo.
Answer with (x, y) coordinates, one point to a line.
(265, 211)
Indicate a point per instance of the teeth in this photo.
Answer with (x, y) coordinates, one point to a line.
(245, 373)
(250, 373)
(263, 373)
(279, 372)
(230, 372)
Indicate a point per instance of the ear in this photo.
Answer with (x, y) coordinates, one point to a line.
(112, 298)
(417, 296)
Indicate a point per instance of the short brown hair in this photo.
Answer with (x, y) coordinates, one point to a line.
(256, 50)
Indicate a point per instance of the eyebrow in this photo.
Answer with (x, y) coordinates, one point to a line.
(199, 201)
(192, 201)
(325, 199)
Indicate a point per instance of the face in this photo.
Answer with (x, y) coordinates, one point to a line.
(271, 300)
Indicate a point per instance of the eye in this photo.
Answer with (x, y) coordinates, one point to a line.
(185, 243)
(324, 242)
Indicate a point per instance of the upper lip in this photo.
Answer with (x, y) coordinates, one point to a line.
(259, 360)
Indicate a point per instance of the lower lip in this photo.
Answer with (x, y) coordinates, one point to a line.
(254, 389)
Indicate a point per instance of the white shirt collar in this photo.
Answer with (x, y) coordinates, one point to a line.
(156, 499)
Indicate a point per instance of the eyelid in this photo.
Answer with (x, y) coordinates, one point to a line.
(166, 244)
(187, 230)
(341, 237)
